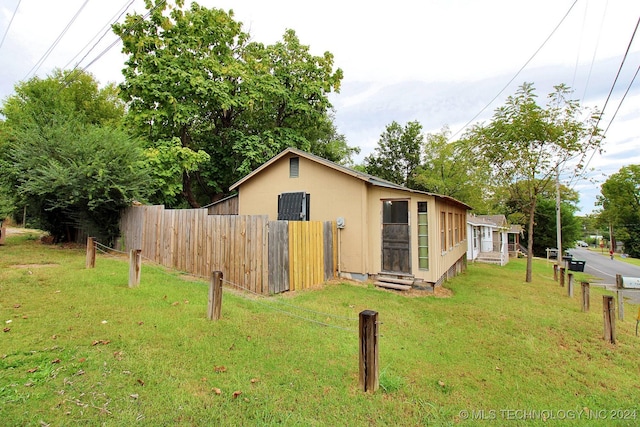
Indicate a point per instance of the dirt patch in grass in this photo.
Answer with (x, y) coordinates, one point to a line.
(34, 265)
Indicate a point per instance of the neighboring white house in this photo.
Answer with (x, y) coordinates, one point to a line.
(488, 238)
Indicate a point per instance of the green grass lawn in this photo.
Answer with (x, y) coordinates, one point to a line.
(81, 348)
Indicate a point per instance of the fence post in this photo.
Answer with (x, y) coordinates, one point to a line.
(562, 276)
(608, 313)
(620, 298)
(618, 281)
(135, 263)
(91, 253)
(368, 333)
(3, 232)
(585, 296)
(555, 272)
(570, 285)
(214, 307)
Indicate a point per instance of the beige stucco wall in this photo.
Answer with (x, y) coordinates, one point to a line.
(333, 194)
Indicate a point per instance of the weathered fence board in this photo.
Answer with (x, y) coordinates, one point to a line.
(278, 257)
(265, 257)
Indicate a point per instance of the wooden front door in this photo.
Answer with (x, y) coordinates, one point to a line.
(396, 257)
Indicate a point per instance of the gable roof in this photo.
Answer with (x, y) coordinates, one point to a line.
(497, 221)
(370, 179)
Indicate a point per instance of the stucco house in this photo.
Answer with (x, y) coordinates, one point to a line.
(401, 237)
(491, 239)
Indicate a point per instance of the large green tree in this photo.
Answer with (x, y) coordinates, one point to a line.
(620, 201)
(448, 169)
(65, 157)
(530, 143)
(195, 75)
(397, 156)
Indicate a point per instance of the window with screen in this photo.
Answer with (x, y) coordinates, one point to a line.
(423, 236)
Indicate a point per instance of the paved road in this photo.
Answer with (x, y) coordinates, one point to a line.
(605, 269)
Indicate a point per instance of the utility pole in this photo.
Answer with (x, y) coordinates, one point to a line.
(558, 216)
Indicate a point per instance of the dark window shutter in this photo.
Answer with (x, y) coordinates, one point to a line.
(293, 207)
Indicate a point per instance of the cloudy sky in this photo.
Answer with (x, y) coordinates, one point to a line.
(440, 62)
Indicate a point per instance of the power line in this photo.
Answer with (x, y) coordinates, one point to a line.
(595, 51)
(55, 43)
(519, 71)
(624, 58)
(621, 101)
(105, 30)
(10, 22)
(118, 40)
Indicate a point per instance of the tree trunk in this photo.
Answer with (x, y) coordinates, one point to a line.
(532, 212)
(187, 192)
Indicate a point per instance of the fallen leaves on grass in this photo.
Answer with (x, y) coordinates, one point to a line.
(139, 381)
(32, 370)
(236, 394)
(219, 369)
(101, 342)
(56, 361)
(254, 380)
(6, 329)
(216, 390)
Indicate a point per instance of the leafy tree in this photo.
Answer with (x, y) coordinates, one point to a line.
(397, 156)
(529, 144)
(620, 201)
(196, 76)
(69, 164)
(545, 235)
(448, 170)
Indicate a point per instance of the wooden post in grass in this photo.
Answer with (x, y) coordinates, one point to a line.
(585, 296)
(609, 315)
(555, 272)
(135, 264)
(3, 232)
(214, 307)
(562, 276)
(368, 333)
(91, 253)
(620, 298)
(570, 285)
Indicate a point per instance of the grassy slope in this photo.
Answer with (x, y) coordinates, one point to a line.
(497, 344)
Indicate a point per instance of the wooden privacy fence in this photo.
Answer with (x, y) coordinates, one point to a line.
(262, 256)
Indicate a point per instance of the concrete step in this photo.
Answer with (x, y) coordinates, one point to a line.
(396, 286)
(400, 281)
